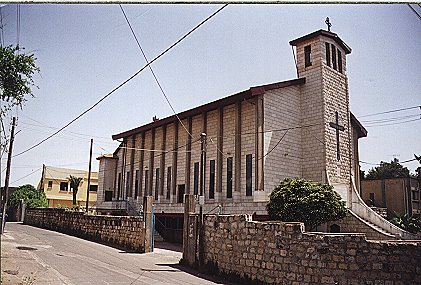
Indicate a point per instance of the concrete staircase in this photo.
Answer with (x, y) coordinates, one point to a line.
(157, 236)
(366, 215)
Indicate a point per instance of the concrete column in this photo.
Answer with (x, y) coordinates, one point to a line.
(237, 175)
(132, 176)
(189, 230)
(151, 164)
(141, 163)
(174, 164)
(188, 156)
(162, 163)
(259, 144)
(147, 216)
(220, 146)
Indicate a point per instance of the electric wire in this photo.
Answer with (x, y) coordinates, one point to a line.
(389, 119)
(26, 176)
(153, 73)
(1, 27)
(413, 10)
(124, 82)
(398, 123)
(17, 26)
(390, 111)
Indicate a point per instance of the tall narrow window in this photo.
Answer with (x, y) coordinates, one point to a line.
(334, 57)
(212, 180)
(146, 182)
(229, 177)
(168, 182)
(307, 55)
(119, 186)
(339, 61)
(249, 175)
(136, 185)
(156, 183)
(327, 54)
(196, 178)
(128, 183)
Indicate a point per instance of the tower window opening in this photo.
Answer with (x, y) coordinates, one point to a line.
(334, 57)
(339, 61)
(307, 55)
(328, 54)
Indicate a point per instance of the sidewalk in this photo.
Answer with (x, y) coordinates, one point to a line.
(20, 266)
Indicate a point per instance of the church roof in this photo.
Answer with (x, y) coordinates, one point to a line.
(328, 34)
(243, 95)
(361, 131)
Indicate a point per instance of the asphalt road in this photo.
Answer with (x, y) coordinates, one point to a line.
(31, 255)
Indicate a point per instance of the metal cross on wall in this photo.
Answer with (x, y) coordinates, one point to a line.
(338, 128)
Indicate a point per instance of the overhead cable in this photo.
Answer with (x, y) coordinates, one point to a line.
(124, 82)
(153, 73)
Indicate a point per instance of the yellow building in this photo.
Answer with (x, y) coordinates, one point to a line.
(55, 183)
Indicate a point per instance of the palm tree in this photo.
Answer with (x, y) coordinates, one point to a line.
(74, 183)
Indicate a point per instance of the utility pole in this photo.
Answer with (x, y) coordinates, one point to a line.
(89, 176)
(6, 180)
(201, 196)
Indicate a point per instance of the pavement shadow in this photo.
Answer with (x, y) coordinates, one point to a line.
(169, 246)
(212, 278)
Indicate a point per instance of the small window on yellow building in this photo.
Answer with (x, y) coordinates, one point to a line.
(50, 184)
(63, 186)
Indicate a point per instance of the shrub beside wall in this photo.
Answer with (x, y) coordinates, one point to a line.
(121, 231)
(281, 253)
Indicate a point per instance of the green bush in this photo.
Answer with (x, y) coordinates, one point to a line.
(407, 222)
(299, 200)
(32, 197)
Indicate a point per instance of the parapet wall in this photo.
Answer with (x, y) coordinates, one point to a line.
(120, 231)
(282, 253)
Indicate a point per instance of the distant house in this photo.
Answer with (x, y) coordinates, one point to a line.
(55, 183)
(400, 195)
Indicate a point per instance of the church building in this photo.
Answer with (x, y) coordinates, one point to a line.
(235, 150)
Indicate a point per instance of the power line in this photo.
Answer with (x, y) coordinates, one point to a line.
(390, 119)
(391, 111)
(398, 123)
(26, 175)
(153, 73)
(413, 10)
(124, 82)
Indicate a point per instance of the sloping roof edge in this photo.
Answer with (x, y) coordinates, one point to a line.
(328, 34)
(243, 95)
(361, 131)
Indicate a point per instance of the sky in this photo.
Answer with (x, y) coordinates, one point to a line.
(84, 51)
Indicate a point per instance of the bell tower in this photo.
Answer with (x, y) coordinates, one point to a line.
(326, 139)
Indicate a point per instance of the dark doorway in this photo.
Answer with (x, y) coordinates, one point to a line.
(181, 190)
(335, 228)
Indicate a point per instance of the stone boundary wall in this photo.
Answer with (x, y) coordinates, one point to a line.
(120, 231)
(282, 253)
(350, 224)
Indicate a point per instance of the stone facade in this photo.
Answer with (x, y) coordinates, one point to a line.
(282, 253)
(254, 139)
(123, 232)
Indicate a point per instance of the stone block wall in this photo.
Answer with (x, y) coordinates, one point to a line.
(124, 232)
(282, 253)
(351, 224)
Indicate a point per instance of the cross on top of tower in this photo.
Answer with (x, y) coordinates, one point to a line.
(328, 23)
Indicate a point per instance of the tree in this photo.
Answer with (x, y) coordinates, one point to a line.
(74, 184)
(16, 71)
(407, 222)
(32, 197)
(388, 170)
(299, 200)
